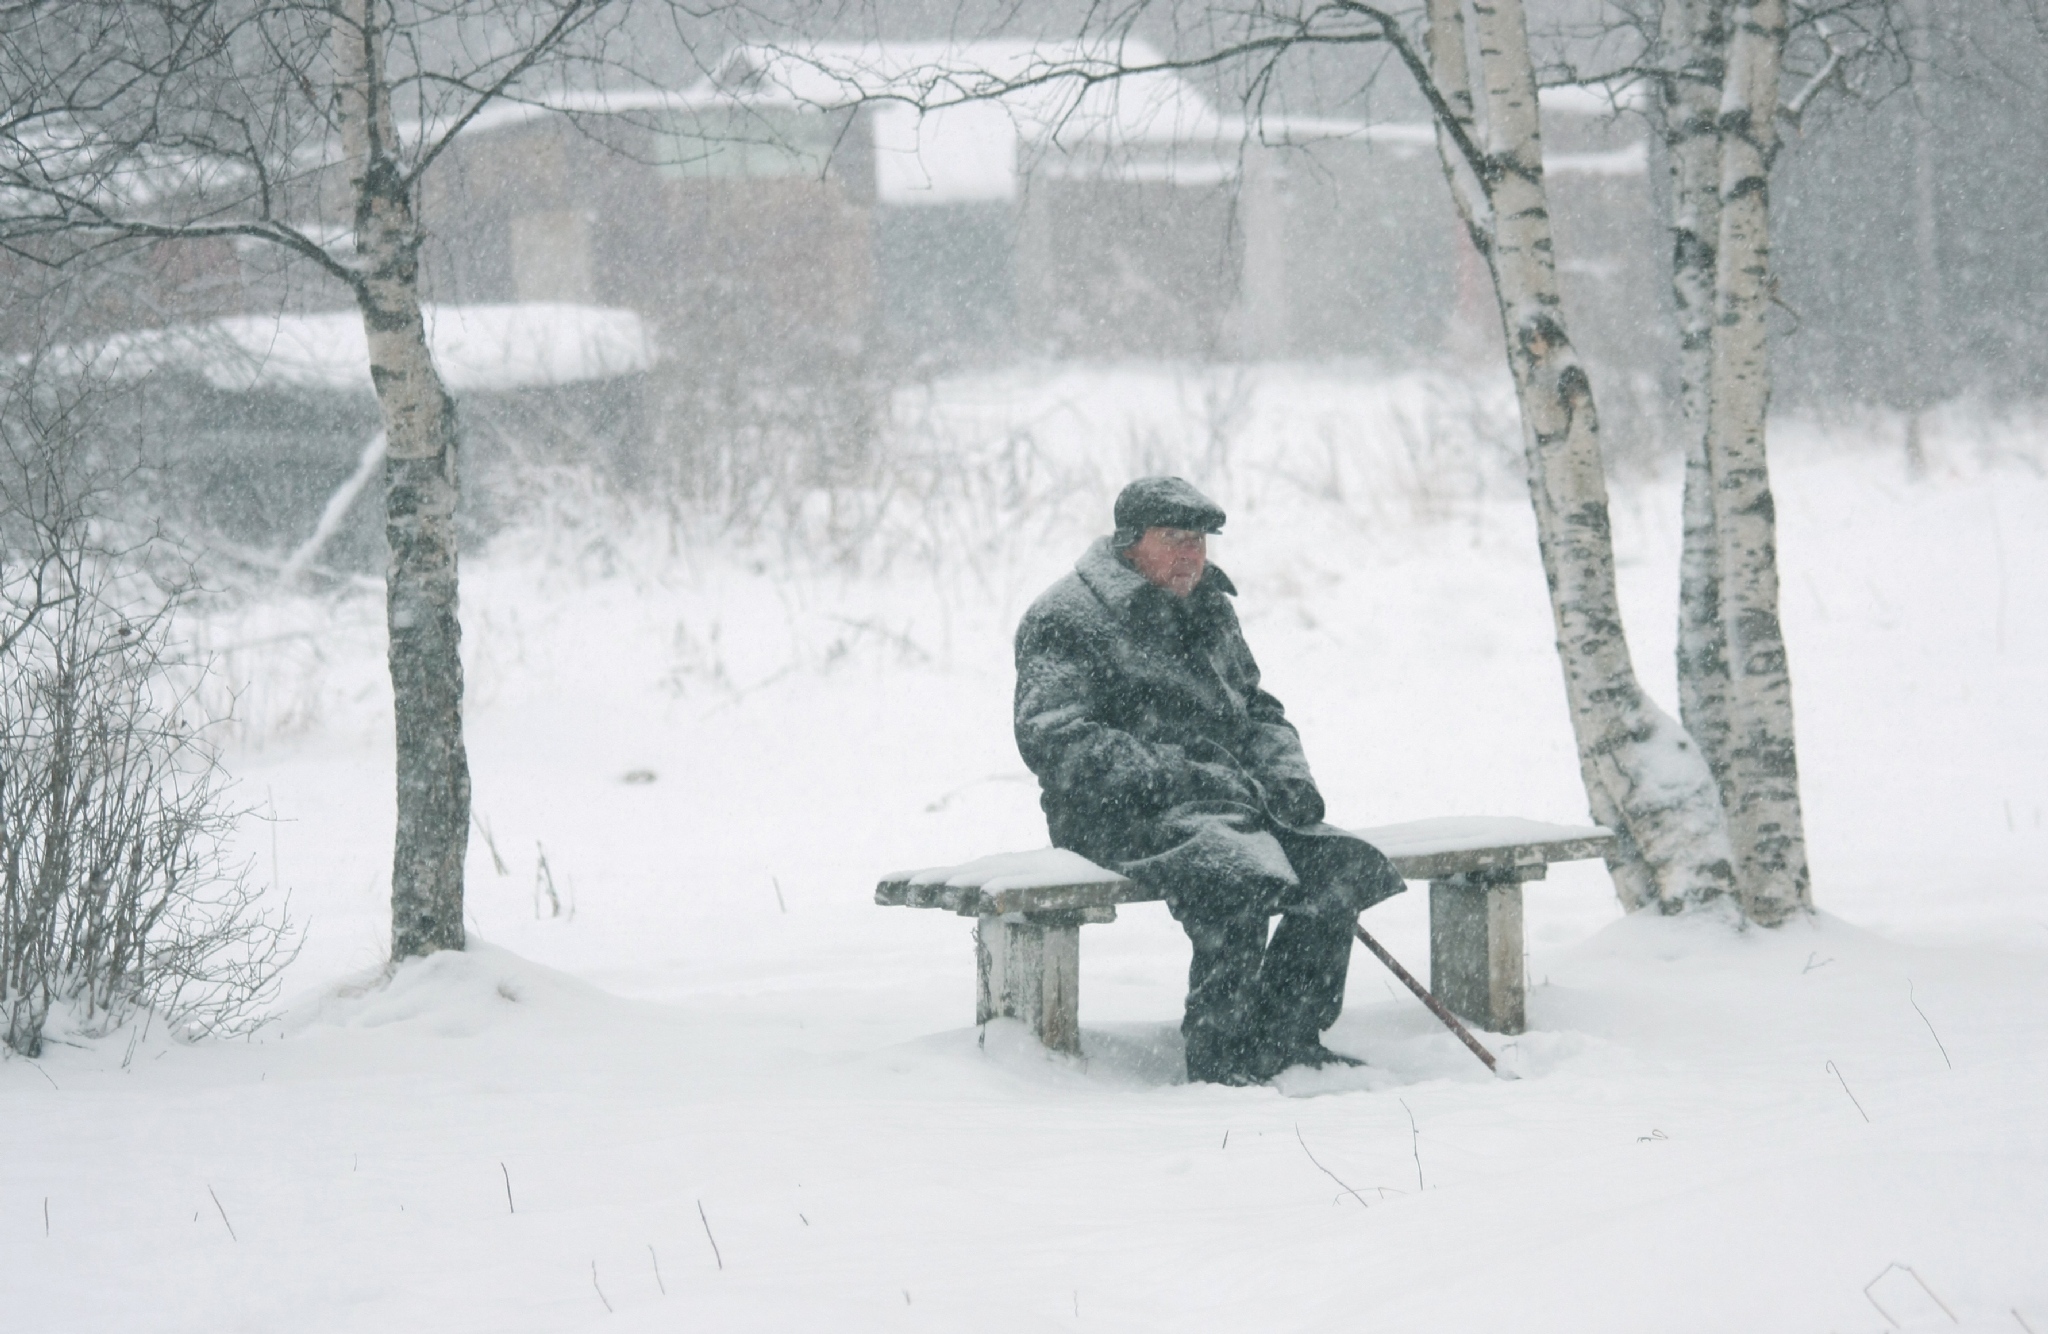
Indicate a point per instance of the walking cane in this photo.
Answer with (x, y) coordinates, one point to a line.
(1436, 1007)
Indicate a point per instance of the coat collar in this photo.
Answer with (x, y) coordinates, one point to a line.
(1122, 589)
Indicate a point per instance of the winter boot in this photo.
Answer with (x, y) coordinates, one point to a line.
(1220, 1058)
(1284, 1053)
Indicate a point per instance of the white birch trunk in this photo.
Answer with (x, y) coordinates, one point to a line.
(1644, 778)
(1694, 48)
(420, 490)
(1765, 816)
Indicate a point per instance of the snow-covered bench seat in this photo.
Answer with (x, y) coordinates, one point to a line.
(1031, 906)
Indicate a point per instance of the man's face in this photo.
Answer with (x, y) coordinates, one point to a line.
(1173, 558)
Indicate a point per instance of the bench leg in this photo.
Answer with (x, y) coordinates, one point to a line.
(1030, 972)
(1475, 949)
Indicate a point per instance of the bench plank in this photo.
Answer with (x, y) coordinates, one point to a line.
(1056, 880)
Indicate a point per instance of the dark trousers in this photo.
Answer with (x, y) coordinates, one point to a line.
(1252, 999)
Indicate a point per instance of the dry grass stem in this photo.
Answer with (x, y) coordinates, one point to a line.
(223, 1215)
(1324, 1170)
(705, 1219)
(1837, 1071)
(1930, 1025)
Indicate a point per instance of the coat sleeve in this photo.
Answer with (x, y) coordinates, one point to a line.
(1062, 734)
(1273, 747)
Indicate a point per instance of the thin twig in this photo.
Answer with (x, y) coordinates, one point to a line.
(657, 1269)
(1795, 109)
(600, 1291)
(223, 1215)
(544, 880)
(1324, 1170)
(778, 893)
(483, 827)
(510, 1208)
(1845, 1088)
(707, 1234)
(2022, 1319)
(1930, 1024)
(1867, 1295)
(46, 1215)
(276, 880)
(1414, 1142)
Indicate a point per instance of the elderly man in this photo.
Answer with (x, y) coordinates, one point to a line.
(1158, 755)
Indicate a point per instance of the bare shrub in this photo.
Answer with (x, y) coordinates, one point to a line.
(746, 441)
(117, 894)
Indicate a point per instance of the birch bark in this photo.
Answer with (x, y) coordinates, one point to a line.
(1765, 815)
(420, 491)
(1694, 41)
(1644, 777)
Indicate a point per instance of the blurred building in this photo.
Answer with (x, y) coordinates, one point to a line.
(1131, 218)
(763, 235)
(796, 212)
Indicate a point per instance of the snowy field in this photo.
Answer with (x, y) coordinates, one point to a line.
(718, 1089)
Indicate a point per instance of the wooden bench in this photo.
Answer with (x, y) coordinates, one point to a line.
(1030, 906)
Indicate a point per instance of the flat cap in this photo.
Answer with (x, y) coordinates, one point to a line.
(1165, 502)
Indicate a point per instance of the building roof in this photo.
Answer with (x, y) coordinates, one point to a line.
(952, 121)
(480, 347)
(960, 122)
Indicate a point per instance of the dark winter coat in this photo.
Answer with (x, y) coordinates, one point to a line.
(1159, 755)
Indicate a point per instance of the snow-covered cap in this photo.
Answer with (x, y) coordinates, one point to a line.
(1163, 502)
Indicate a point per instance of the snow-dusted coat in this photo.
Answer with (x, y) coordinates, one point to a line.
(1159, 755)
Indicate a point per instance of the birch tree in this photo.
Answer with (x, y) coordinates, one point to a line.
(1721, 68)
(1718, 107)
(419, 496)
(1760, 756)
(1717, 68)
(1694, 37)
(1644, 776)
(305, 126)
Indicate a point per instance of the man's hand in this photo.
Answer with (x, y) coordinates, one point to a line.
(1294, 801)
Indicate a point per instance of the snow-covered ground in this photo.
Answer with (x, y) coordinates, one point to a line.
(720, 1090)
